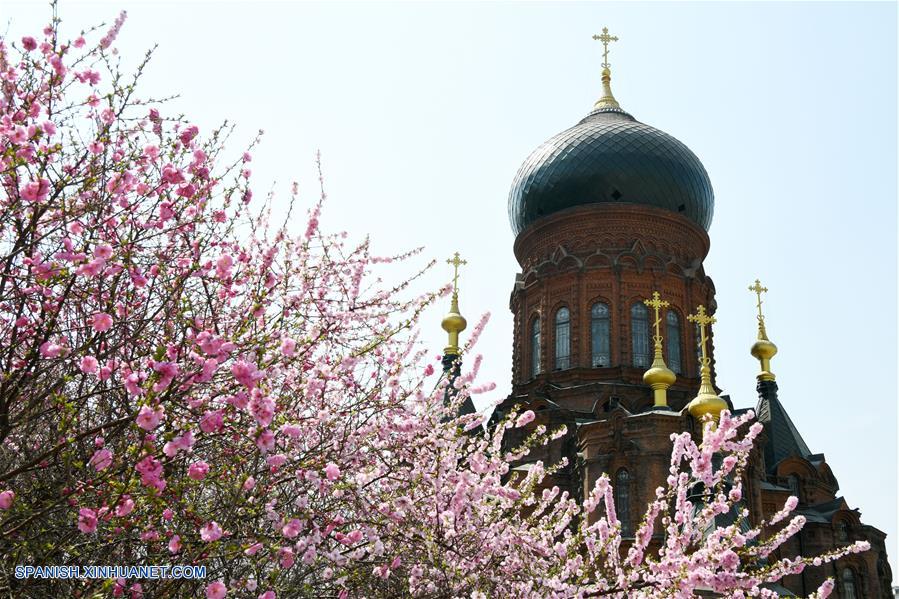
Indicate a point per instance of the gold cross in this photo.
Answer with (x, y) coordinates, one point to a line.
(605, 38)
(702, 319)
(656, 303)
(758, 292)
(456, 262)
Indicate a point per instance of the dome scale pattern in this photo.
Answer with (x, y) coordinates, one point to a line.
(609, 156)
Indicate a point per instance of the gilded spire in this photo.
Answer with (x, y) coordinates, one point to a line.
(607, 100)
(706, 401)
(763, 349)
(454, 323)
(659, 377)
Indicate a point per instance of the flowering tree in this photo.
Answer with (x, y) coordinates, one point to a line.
(482, 532)
(184, 381)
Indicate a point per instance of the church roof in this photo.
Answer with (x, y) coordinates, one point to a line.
(822, 512)
(784, 439)
(610, 157)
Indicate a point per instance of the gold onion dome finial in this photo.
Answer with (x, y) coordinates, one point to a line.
(659, 377)
(454, 323)
(763, 349)
(607, 100)
(706, 401)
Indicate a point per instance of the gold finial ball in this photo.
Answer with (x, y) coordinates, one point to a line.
(659, 376)
(763, 349)
(454, 323)
(706, 403)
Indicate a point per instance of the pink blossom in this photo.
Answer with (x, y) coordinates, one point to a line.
(267, 595)
(125, 507)
(36, 191)
(291, 430)
(525, 418)
(149, 418)
(87, 520)
(101, 459)
(102, 322)
(151, 152)
(175, 544)
(132, 383)
(88, 365)
(276, 461)
(167, 372)
(151, 472)
(96, 147)
(212, 422)
(292, 529)
(249, 483)
(198, 470)
(288, 346)
(332, 472)
(262, 408)
(188, 134)
(211, 532)
(216, 590)
(223, 266)
(49, 349)
(92, 268)
(6, 499)
(266, 440)
(29, 43)
(103, 251)
(286, 557)
(113, 32)
(246, 373)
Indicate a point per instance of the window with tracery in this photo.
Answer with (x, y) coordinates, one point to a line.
(563, 339)
(599, 335)
(535, 347)
(640, 335)
(622, 500)
(673, 342)
(847, 581)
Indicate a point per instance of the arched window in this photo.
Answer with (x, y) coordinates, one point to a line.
(599, 335)
(640, 335)
(842, 531)
(535, 347)
(563, 339)
(673, 342)
(623, 500)
(847, 581)
(793, 480)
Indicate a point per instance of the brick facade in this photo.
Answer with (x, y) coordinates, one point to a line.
(618, 254)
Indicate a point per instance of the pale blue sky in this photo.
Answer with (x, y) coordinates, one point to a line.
(423, 113)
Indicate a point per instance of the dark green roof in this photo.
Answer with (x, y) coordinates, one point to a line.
(611, 157)
(784, 439)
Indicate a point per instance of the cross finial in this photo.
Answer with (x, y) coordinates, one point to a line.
(456, 262)
(703, 320)
(758, 289)
(605, 38)
(656, 303)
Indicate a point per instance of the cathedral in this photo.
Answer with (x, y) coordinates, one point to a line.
(613, 336)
